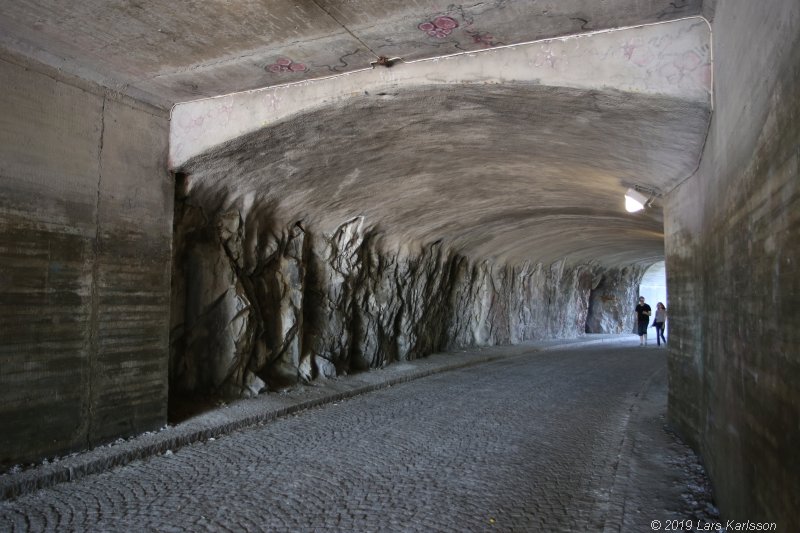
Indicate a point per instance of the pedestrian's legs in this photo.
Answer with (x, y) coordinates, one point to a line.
(660, 332)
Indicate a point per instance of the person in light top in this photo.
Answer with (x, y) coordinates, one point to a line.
(658, 322)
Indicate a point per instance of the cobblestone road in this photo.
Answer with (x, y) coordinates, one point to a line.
(530, 443)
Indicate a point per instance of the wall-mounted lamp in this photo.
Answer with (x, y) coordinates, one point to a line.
(635, 201)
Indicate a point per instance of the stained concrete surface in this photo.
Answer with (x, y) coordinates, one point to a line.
(163, 52)
(85, 233)
(536, 437)
(671, 59)
(732, 256)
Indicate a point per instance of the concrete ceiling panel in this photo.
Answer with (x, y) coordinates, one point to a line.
(121, 43)
(326, 56)
(671, 59)
(423, 29)
(167, 52)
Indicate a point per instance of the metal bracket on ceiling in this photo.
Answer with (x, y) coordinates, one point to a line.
(384, 61)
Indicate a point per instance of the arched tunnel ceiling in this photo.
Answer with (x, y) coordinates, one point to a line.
(493, 154)
(512, 171)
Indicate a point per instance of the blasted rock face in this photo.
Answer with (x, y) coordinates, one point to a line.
(262, 304)
(611, 300)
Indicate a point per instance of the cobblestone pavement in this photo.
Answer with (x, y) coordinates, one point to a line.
(568, 440)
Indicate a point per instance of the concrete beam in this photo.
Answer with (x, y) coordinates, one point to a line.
(670, 59)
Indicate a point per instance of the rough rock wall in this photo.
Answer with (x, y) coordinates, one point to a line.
(733, 250)
(262, 304)
(613, 300)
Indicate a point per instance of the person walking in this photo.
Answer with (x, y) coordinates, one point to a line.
(643, 316)
(659, 321)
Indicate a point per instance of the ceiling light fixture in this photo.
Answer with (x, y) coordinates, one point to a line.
(635, 201)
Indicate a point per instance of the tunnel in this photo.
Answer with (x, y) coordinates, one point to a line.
(200, 206)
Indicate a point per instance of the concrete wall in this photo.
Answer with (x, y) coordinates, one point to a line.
(733, 250)
(85, 235)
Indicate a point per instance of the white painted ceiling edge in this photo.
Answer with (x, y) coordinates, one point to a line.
(672, 59)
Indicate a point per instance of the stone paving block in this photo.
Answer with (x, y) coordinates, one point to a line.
(530, 440)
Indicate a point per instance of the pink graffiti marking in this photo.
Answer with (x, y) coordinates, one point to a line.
(688, 61)
(687, 65)
(482, 38)
(703, 76)
(440, 27)
(628, 49)
(637, 52)
(286, 65)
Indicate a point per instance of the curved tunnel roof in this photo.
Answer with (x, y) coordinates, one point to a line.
(521, 153)
(519, 148)
(511, 172)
